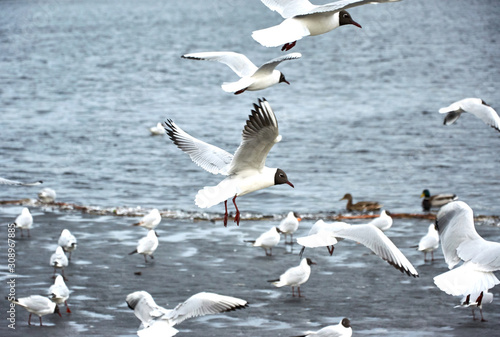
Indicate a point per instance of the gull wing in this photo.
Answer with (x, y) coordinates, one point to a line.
(455, 224)
(291, 8)
(487, 114)
(239, 63)
(373, 238)
(4, 181)
(322, 238)
(209, 157)
(259, 135)
(204, 303)
(269, 66)
(145, 307)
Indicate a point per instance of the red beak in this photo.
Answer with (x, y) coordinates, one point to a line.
(289, 183)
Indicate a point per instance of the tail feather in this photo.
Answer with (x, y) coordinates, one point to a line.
(137, 224)
(212, 195)
(238, 85)
(286, 32)
(135, 251)
(465, 280)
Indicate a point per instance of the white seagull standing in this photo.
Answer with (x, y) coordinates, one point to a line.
(38, 305)
(24, 221)
(475, 106)
(246, 170)
(383, 222)
(343, 329)
(147, 245)
(302, 18)
(289, 225)
(59, 260)
(429, 242)
(152, 219)
(4, 181)
(368, 235)
(47, 195)
(252, 78)
(295, 276)
(157, 130)
(59, 292)
(67, 241)
(461, 242)
(267, 240)
(158, 321)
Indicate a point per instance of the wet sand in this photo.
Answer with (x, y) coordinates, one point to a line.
(196, 256)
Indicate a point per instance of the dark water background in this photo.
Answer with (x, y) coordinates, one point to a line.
(81, 83)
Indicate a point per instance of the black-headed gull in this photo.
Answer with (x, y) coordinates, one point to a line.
(429, 242)
(152, 219)
(302, 18)
(252, 78)
(147, 245)
(267, 240)
(437, 200)
(24, 221)
(47, 195)
(67, 241)
(246, 170)
(59, 260)
(4, 181)
(461, 242)
(343, 329)
(383, 222)
(158, 321)
(157, 130)
(38, 305)
(474, 301)
(368, 235)
(289, 225)
(475, 106)
(59, 292)
(295, 276)
(360, 206)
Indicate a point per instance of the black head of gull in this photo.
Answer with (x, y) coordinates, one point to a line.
(346, 19)
(283, 79)
(281, 178)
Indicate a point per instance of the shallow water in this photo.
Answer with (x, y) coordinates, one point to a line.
(81, 83)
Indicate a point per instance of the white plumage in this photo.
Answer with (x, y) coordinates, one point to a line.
(429, 242)
(252, 78)
(475, 106)
(461, 242)
(47, 195)
(38, 305)
(157, 130)
(268, 240)
(158, 321)
(295, 276)
(246, 170)
(343, 329)
(147, 245)
(59, 260)
(67, 241)
(59, 292)
(383, 222)
(4, 181)
(289, 225)
(150, 220)
(326, 235)
(24, 221)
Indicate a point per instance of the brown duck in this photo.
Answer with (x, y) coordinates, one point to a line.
(362, 206)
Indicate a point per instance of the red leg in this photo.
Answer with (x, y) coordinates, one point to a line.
(237, 216)
(293, 292)
(225, 214)
(288, 46)
(29, 319)
(67, 308)
(330, 249)
(41, 321)
(299, 291)
(240, 91)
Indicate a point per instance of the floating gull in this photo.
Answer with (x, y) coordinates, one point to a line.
(246, 170)
(4, 181)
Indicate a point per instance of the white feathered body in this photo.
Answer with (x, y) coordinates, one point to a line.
(67, 241)
(150, 220)
(268, 239)
(36, 304)
(290, 224)
(148, 244)
(59, 292)
(430, 241)
(25, 219)
(295, 276)
(59, 259)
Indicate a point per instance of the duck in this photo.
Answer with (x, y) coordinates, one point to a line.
(361, 206)
(438, 200)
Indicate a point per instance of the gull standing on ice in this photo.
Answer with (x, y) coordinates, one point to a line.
(4, 181)
(302, 18)
(429, 242)
(158, 321)
(475, 106)
(147, 245)
(150, 220)
(461, 242)
(368, 235)
(267, 240)
(343, 329)
(24, 221)
(59, 292)
(59, 260)
(289, 225)
(383, 222)
(295, 276)
(67, 241)
(38, 305)
(252, 78)
(246, 170)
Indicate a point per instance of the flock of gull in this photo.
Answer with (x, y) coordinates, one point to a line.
(245, 172)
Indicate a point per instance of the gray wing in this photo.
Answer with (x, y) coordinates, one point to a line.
(209, 157)
(239, 63)
(291, 8)
(269, 66)
(4, 181)
(204, 304)
(259, 135)
(373, 238)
